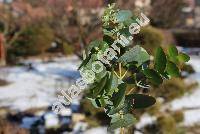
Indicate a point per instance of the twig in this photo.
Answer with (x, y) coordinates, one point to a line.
(122, 128)
(117, 75)
(125, 74)
(130, 91)
(120, 70)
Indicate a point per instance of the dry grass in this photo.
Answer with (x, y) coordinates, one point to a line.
(9, 128)
(3, 82)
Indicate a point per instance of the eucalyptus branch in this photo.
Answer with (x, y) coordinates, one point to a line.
(109, 88)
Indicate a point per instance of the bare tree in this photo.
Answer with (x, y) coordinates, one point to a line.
(15, 17)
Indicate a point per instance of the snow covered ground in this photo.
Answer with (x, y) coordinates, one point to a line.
(37, 88)
(191, 101)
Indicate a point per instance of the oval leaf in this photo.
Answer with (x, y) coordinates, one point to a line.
(112, 83)
(113, 110)
(182, 57)
(153, 76)
(137, 54)
(119, 96)
(172, 69)
(172, 51)
(101, 45)
(160, 60)
(99, 87)
(138, 101)
(123, 15)
(118, 122)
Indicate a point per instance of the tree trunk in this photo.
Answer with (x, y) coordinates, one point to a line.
(2, 51)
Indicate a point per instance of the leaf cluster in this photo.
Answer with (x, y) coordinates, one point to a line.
(133, 67)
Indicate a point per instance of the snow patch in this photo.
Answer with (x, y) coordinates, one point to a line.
(38, 87)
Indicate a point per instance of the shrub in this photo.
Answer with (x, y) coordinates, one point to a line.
(68, 49)
(178, 116)
(34, 40)
(166, 124)
(150, 38)
(9, 128)
(171, 89)
(3, 82)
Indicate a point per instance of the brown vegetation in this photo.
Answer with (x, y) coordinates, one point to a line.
(9, 128)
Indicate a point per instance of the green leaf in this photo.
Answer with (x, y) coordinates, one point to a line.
(88, 66)
(109, 82)
(113, 110)
(125, 32)
(102, 101)
(94, 103)
(99, 87)
(172, 69)
(138, 101)
(129, 21)
(172, 51)
(160, 60)
(112, 84)
(119, 96)
(98, 45)
(113, 81)
(165, 75)
(182, 57)
(153, 76)
(109, 40)
(99, 102)
(118, 122)
(137, 54)
(84, 62)
(123, 15)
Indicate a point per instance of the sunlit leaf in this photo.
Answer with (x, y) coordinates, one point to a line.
(98, 45)
(137, 54)
(182, 57)
(123, 15)
(172, 51)
(118, 121)
(88, 66)
(172, 69)
(94, 103)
